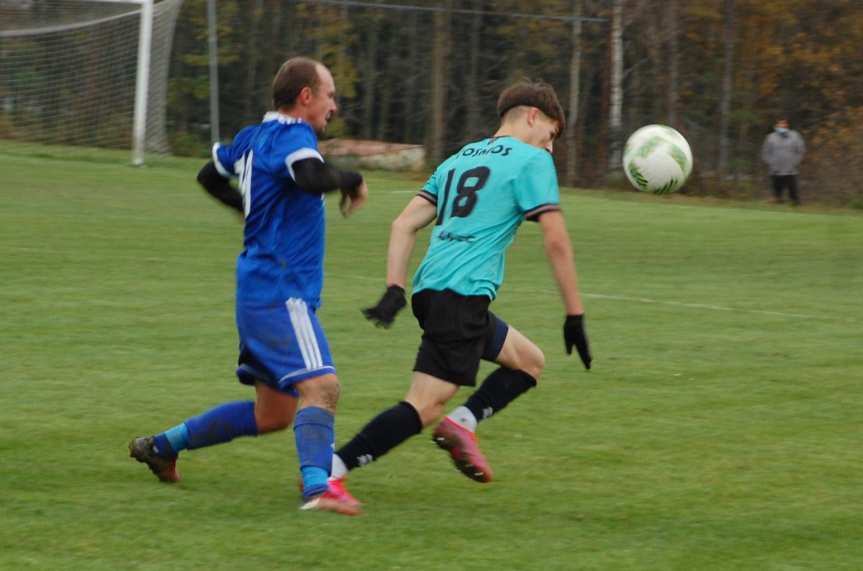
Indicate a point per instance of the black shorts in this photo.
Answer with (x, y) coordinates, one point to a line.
(458, 331)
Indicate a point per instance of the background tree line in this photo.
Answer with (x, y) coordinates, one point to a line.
(720, 71)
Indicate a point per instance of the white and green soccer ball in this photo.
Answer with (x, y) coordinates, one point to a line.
(657, 159)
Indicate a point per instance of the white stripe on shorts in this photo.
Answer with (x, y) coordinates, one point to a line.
(317, 360)
(294, 314)
(304, 332)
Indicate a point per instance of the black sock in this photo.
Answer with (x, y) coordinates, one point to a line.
(498, 389)
(383, 433)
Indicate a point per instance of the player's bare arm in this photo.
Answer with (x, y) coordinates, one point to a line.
(403, 235)
(558, 249)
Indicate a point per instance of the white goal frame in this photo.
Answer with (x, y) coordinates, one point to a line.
(142, 72)
(142, 77)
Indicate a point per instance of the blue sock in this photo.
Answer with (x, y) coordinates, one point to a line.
(313, 431)
(220, 424)
(172, 441)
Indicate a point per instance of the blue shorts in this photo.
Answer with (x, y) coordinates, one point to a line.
(281, 346)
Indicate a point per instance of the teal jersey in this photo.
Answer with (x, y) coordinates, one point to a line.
(482, 194)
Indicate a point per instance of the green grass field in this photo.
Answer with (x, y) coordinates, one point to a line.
(719, 429)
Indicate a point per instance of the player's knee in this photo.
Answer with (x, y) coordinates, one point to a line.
(272, 417)
(534, 362)
(428, 411)
(328, 395)
(322, 392)
(272, 423)
(430, 414)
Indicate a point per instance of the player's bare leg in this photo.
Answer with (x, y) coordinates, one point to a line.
(422, 406)
(521, 365)
(521, 354)
(428, 395)
(274, 410)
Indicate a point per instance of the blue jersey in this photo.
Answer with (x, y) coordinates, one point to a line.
(482, 194)
(283, 238)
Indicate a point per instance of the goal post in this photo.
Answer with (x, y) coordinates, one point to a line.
(86, 72)
(142, 84)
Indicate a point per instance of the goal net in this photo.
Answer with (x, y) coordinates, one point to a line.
(70, 72)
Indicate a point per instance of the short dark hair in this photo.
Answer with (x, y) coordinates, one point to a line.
(532, 94)
(295, 74)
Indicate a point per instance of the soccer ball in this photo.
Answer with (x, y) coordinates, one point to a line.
(657, 159)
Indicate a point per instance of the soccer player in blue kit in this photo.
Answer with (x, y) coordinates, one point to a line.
(479, 198)
(284, 354)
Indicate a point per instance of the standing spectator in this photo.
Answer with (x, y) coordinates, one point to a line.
(783, 149)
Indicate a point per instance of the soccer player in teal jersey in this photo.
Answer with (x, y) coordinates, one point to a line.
(284, 353)
(477, 199)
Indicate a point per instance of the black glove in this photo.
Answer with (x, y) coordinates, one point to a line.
(573, 334)
(384, 313)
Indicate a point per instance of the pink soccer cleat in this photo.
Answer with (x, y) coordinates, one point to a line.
(336, 499)
(461, 444)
